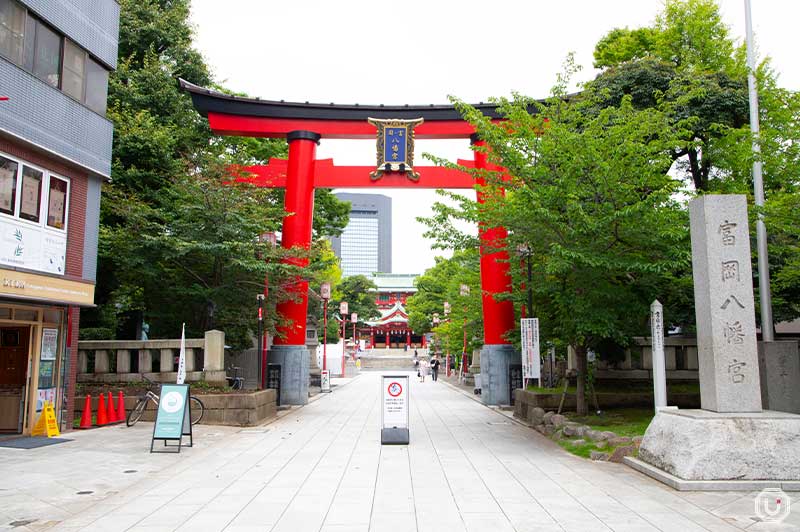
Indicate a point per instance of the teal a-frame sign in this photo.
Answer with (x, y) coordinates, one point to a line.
(173, 418)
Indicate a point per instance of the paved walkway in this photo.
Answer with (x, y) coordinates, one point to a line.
(321, 468)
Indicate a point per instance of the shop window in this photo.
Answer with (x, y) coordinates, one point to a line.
(42, 51)
(52, 316)
(57, 203)
(8, 185)
(30, 198)
(25, 315)
(5, 313)
(12, 26)
(74, 70)
(96, 87)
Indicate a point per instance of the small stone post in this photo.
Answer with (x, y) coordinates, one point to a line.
(659, 367)
(724, 305)
(214, 351)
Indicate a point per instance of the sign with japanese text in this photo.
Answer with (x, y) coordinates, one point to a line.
(395, 147)
(394, 401)
(531, 363)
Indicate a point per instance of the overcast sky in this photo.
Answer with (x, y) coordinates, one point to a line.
(419, 52)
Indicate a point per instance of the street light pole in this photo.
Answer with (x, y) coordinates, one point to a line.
(260, 299)
(343, 308)
(325, 293)
(464, 291)
(765, 297)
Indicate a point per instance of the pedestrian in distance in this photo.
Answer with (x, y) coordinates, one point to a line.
(424, 368)
(435, 368)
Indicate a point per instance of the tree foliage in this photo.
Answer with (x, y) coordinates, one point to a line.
(179, 241)
(590, 196)
(440, 284)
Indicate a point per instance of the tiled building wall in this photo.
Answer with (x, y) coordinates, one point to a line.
(94, 24)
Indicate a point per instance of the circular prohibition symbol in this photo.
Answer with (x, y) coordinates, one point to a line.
(395, 389)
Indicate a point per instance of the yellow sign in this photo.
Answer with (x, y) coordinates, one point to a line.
(47, 424)
(43, 287)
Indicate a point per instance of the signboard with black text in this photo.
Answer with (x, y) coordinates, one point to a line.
(394, 409)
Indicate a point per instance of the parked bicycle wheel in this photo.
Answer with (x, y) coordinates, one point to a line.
(136, 414)
(198, 409)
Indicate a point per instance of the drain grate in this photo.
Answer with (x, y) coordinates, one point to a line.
(253, 431)
(84, 493)
(130, 471)
(21, 522)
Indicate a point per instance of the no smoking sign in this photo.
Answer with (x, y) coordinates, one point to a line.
(395, 389)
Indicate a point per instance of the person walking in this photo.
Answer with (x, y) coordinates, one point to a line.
(435, 368)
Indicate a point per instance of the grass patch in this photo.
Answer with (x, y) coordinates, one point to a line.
(583, 450)
(622, 421)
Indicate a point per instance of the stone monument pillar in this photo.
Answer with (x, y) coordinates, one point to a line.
(730, 438)
(724, 304)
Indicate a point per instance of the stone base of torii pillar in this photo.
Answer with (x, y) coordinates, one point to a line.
(731, 438)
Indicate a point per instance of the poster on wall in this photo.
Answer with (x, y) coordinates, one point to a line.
(45, 395)
(8, 182)
(57, 205)
(31, 192)
(49, 344)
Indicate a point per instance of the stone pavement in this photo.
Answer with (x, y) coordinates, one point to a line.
(321, 468)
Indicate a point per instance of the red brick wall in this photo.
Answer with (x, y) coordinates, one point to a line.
(75, 238)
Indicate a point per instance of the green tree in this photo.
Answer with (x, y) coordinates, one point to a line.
(442, 283)
(359, 291)
(176, 243)
(689, 60)
(590, 196)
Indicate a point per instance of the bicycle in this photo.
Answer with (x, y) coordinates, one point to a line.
(197, 406)
(237, 381)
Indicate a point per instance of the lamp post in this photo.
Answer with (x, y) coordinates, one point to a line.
(435, 321)
(260, 299)
(354, 320)
(272, 239)
(325, 293)
(525, 252)
(464, 292)
(447, 357)
(343, 307)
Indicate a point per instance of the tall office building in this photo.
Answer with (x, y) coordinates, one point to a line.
(365, 246)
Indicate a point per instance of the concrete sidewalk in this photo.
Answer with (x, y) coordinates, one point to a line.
(321, 468)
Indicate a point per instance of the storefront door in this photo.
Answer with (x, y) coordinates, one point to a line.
(14, 344)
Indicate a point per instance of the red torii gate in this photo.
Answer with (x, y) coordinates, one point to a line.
(303, 125)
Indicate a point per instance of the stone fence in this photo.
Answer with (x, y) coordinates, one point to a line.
(127, 360)
(680, 355)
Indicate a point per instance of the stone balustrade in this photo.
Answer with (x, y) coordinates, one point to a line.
(127, 360)
(680, 355)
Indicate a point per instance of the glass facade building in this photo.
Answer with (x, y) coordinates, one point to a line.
(365, 246)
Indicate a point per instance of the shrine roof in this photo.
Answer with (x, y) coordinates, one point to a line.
(394, 282)
(209, 101)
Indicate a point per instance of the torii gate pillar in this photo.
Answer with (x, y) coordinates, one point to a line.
(289, 349)
(497, 353)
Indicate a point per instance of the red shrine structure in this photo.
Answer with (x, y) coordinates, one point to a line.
(304, 126)
(391, 328)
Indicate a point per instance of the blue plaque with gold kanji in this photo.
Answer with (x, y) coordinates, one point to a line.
(395, 147)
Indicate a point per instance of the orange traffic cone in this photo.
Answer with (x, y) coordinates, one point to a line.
(110, 411)
(86, 417)
(102, 415)
(121, 415)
